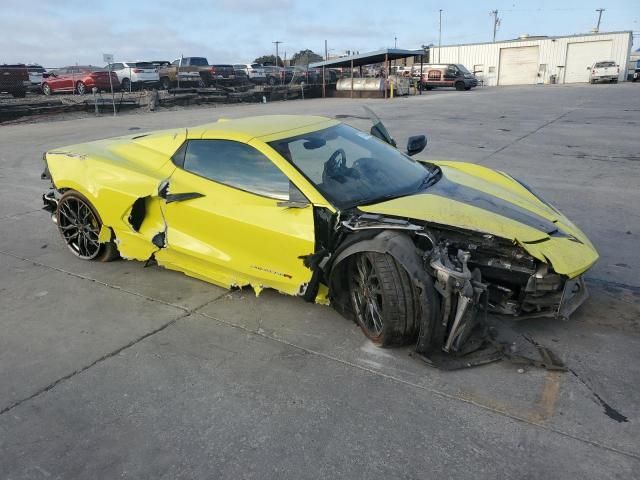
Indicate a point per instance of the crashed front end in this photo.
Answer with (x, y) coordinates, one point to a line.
(471, 272)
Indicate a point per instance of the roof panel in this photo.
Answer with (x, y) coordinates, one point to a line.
(368, 58)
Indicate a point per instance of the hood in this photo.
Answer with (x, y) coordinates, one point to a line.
(475, 198)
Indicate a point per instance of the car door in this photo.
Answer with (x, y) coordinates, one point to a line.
(228, 220)
(450, 75)
(57, 82)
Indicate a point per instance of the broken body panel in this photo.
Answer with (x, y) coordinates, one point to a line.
(476, 235)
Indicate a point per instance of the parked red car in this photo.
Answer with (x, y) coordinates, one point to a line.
(79, 79)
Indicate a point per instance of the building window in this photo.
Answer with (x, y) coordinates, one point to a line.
(492, 69)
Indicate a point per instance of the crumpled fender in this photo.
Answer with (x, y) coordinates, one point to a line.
(403, 250)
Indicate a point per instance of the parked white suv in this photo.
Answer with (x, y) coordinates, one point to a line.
(604, 71)
(136, 74)
(254, 71)
(35, 76)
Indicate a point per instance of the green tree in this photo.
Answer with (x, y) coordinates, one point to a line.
(304, 57)
(269, 60)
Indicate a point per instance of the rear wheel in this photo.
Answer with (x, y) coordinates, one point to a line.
(79, 224)
(383, 298)
(19, 93)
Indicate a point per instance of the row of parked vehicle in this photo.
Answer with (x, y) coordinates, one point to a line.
(182, 72)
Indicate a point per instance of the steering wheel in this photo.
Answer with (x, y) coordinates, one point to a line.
(335, 168)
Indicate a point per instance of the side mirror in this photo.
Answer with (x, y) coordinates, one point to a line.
(588, 68)
(416, 144)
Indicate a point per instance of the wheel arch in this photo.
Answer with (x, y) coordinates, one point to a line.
(402, 248)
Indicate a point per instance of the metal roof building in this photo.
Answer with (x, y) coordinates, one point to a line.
(530, 60)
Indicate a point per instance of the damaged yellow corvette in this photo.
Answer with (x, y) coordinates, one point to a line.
(411, 250)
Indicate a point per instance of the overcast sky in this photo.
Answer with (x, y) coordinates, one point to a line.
(65, 32)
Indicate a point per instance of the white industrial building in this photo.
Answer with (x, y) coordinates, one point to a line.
(530, 60)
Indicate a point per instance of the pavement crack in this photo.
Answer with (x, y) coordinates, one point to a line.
(609, 411)
(20, 214)
(513, 142)
(440, 393)
(109, 285)
(95, 362)
(186, 313)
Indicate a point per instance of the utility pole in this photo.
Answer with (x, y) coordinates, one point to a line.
(395, 42)
(440, 36)
(277, 42)
(496, 22)
(599, 10)
(324, 83)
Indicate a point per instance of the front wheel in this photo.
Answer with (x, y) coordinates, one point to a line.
(79, 224)
(46, 89)
(383, 298)
(459, 86)
(81, 88)
(125, 85)
(165, 83)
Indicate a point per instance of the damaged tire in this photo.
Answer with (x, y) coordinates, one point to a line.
(79, 224)
(384, 301)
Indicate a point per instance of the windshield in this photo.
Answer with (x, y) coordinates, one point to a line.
(350, 167)
(462, 68)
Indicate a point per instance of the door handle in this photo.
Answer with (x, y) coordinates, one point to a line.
(181, 197)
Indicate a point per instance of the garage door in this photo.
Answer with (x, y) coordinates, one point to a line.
(583, 55)
(518, 66)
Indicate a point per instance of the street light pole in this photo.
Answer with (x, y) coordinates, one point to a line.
(395, 42)
(599, 10)
(440, 36)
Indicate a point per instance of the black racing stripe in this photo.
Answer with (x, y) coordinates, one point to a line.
(476, 198)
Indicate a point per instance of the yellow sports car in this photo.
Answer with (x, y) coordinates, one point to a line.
(309, 206)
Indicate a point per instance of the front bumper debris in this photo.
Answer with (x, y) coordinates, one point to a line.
(573, 295)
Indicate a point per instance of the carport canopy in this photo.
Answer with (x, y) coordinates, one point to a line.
(379, 56)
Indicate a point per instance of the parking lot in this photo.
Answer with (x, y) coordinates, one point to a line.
(117, 370)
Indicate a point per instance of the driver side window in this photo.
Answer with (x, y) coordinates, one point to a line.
(236, 165)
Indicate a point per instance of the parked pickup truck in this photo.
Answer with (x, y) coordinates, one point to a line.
(604, 72)
(185, 71)
(195, 71)
(14, 79)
